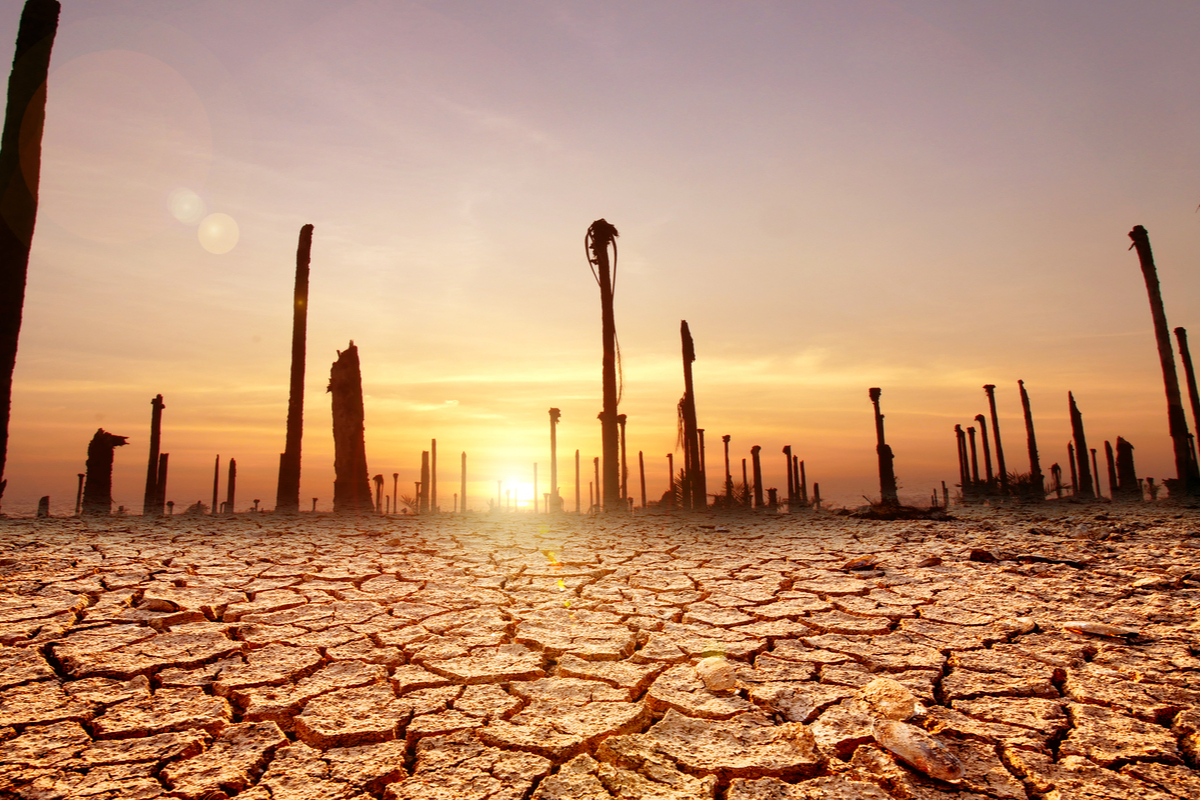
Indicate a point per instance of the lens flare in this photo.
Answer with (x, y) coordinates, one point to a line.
(218, 233)
(186, 206)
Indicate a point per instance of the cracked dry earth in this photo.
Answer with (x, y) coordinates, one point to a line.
(638, 657)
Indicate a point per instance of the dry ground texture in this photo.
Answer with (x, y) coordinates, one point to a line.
(523, 656)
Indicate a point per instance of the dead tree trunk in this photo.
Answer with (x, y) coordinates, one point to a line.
(555, 500)
(151, 495)
(693, 497)
(462, 503)
(287, 493)
(1036, 480)
(378, 479)
(1095, 474)
(20, 168)
(728, 475)
(97, 487)
(1086, 488)
(791, 479)
(79, 495)
(964, 476)
(423, 492)
(351, 490)
(1186, 477)
(432, 492)
(887, 472)
(1056, 477)
(1112, 470)
(987, 450)
(216, 485)
(160, 485)
(758, 487)
(642, 475)
(974, 460)
(599, 236)
(991, 396)
(231, 487)
(624, 465)
(803, 486)
(1189, 374)
(1127, 481)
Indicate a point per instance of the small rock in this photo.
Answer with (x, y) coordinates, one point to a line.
(890, 698)
(1098, 629)
(717, 674)
(918, 749)
(931, 561)
(862, 562)
(1024, 625)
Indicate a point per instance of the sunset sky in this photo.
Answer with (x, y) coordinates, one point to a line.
(921, 196)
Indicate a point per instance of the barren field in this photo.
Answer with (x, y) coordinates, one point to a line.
(526, 656)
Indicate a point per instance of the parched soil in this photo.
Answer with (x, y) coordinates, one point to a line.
(532, 656)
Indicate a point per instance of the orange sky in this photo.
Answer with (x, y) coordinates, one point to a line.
(921, 196)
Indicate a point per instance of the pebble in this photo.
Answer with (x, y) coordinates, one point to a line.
(717, 674)
(890, 698)
(918, 749)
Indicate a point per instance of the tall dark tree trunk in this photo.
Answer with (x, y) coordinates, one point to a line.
(1112, 471)
(887, 471)
(1036, 479)
(964, 475)
(987, 451)
(990, 389)
(758, 487)
(1086, 488)
(694, 496)
(1189, 373)
(160, 484)
(150, 498)
(1187, 479)
(287, 493)
(97, 488)
(599, 236)
(791, 478)
(216, 485)
(20, 169)
(1127, 482)
(231, 487)
(974, 459)
(351, 489)
(1072, 462)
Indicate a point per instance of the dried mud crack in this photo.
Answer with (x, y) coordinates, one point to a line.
(483, 658)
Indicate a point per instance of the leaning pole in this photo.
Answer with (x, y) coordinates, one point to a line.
(1176, 421)
(20, 167)
(599, 236)
(287, 494)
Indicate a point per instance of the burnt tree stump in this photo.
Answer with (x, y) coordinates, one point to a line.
(97, 486)
(351, 487)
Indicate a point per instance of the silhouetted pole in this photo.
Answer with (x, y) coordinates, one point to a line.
(151, 495)
(1112, 470)
(462, 489)
(803, 485)
(817, 496)
(423, 494)
(964, 478)
(433, 503)
(1096, 473)
(757, 466)
(694, 497)
(79, 496)
(596, 499)
(1127, 481)
(378, 479)
(578, 486)
(287, 493)
(160, 484)
(555, 500)
(395, 492)
(624, 466)
(1036, 479)
(791, 479)
(642, 475)
(97, 489)
(351, 490)
(1056, 474)
(702, 492)
(796, 478)
(1085, 487)
(20, 168)
(231, 486)
(599, 236)
(991, 395)
(1189, 480)
(887, 473)
(987, 450)
(974, 458)
(535, 491)
(1189, 374)
(728, 475)
(216, 485)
